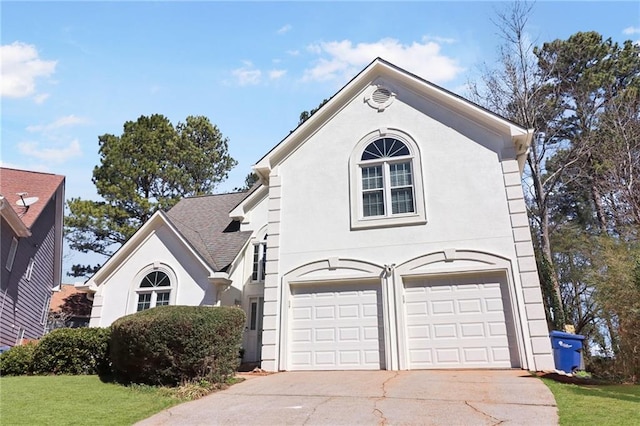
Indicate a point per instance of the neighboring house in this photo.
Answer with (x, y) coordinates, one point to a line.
(70, 307)
(389, 231)
(32, 205)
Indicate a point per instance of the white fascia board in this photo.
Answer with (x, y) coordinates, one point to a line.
(131, 246)
(290, 143)
(457, 103)
(380, 68)
(220, 278)
(522, 144)
(89, 288)
(239, 212)
(13, 219)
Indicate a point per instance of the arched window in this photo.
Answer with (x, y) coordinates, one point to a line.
(386, 182)
(154, 290)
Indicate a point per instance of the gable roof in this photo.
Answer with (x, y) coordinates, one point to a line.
(202, 224)
(205, 223)
(520, 136)
(33, 184)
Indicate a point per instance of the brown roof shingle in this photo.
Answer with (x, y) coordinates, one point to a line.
(35, 184)
(205, 223)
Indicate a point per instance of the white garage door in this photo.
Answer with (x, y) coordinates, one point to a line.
(459, 322)
(336, 327)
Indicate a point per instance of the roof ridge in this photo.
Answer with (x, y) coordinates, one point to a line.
(30, 171)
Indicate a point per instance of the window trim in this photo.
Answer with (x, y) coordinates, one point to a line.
(258, 255)
(45, 310)
(137, 290)
(30, 267)
(12, 254)
(358, 219)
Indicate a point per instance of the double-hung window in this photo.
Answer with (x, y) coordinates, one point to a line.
(258, 271)
(387, 179)
(154, 290)
(386, 185)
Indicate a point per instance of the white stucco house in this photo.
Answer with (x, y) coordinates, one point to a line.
(388, 231)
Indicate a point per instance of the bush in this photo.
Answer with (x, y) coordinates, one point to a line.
(17, 360)
(73, 351)
(169, 345)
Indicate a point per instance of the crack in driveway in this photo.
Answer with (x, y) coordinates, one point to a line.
(316, 408)
(496, 420)
(376, 411)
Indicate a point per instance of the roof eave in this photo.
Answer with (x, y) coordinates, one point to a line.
(118, 258)
(520, 136)
(12, 218)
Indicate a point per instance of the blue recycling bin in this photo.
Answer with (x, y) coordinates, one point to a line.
(567, 350)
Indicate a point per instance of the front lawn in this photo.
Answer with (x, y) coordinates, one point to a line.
(77, 400)
(614, 405)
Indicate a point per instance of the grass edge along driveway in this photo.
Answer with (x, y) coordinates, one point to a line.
(614, 405)
(85, 400)
(77, 400)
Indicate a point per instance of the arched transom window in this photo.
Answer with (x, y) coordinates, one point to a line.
(154, 290)
(387, 179)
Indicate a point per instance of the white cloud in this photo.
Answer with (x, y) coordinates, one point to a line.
(51, 154)
(631, 30)
(342, 59)
(21, 66)
(40, 98)
(69, 120)
(276, 74)
(247, 75)
(293, 52)
(284, 29)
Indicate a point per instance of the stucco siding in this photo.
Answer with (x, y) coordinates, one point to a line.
(474, 219)
(465, 201)
(116, 296)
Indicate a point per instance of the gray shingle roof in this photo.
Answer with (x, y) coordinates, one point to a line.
(205, 223)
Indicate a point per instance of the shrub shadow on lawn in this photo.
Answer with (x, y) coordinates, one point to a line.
(585, 387)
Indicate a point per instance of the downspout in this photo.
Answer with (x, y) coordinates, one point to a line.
(390, 337)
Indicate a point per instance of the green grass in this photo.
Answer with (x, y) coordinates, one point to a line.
(76, 400)
(614, 405)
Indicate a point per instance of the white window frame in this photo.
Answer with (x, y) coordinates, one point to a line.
(259, 265)
(137, 290)
(12, 254)
(45, 310)
(29, 272)
(356, 165)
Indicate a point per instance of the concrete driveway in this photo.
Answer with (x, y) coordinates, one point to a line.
(434, 397)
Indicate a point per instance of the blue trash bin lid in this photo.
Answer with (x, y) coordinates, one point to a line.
(564, 335)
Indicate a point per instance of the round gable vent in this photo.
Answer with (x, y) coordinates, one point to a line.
(381, 98)
(381, 95)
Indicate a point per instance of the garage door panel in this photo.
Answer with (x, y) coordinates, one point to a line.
(301, 313)
(450, 325)
(469, 306)
(344, 324)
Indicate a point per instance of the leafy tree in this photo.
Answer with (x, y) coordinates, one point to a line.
(616, 278)
(582, 95)
(592, 80)
(305, 115)
(250, 180)
(513, 87)
(147, 168)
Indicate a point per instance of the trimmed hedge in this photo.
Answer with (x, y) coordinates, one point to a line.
(73, 351)
(17, 360)
(169, 345)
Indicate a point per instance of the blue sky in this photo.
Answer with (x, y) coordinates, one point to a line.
(74, 70)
